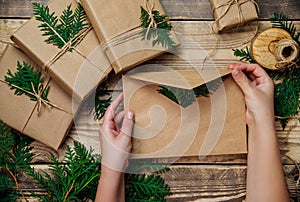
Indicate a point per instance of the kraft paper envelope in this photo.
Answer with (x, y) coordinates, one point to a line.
(213, 125)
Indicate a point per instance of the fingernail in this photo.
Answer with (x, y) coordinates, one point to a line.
(237, 73)
(130, 115)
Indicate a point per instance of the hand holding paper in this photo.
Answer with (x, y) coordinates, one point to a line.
(115, 141)
(258, 90)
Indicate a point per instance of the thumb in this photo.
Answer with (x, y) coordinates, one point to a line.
(127, 124)
(241, 80)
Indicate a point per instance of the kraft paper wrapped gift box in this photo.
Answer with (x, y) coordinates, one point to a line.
(118, 26)
(231, 13)
(50, 125)
(213, 125)
(78, 72)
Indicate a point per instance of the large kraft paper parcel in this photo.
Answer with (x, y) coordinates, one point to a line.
(78, 72)
(118, 26)
(213, 125)
(50, 125)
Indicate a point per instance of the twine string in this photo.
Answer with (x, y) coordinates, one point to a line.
(38, 95)
(149, 8)
(290, 60)
(77, 39)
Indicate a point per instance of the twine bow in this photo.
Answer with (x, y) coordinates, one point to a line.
(149, 9)
(38, 95)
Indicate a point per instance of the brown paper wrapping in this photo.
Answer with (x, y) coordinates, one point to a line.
(117, 25)
(76, 74)
(232, 13)
(51, 125)
(212, 125)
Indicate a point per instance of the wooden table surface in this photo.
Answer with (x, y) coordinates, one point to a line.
(216, 178)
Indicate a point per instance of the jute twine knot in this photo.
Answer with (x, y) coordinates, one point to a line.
(286, 53)
(149, 8)
(38, 95)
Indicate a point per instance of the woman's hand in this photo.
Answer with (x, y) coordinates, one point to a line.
(116, 142)
(258, 89)
(265, 177)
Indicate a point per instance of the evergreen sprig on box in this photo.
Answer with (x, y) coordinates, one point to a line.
(61, 30)
(161, 33)
(27, 79)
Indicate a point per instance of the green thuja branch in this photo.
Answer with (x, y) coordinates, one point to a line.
(186, 97)
(64, 29)
(287, 80)
(160, 33)
(99, 101)
(243, 54)
(27, 80)
(146, 188)
(281, 21)
(73, 179)
(14, 156)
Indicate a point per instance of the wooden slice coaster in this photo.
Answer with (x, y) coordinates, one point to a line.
(274, 48)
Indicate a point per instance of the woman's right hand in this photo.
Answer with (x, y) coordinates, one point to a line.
(258, 89)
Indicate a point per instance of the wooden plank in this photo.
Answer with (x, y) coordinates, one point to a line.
(193, 182)
(7, 28)
(176, 9)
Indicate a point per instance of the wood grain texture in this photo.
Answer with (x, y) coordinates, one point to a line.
(190, 182)
(176, 9)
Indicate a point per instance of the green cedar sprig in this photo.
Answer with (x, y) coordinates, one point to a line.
(61, 30)
(243, 54)
(73, 179)
(26, 78)
(149, 186)
(14, 156)
(287, 80)
(161, 33)
(143, 187)
(99, 101)
(186, 97)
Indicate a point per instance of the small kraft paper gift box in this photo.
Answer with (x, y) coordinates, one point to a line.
(60, 40)
(31, 102)
(233, 13)
(118, 26)
(213, 124)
